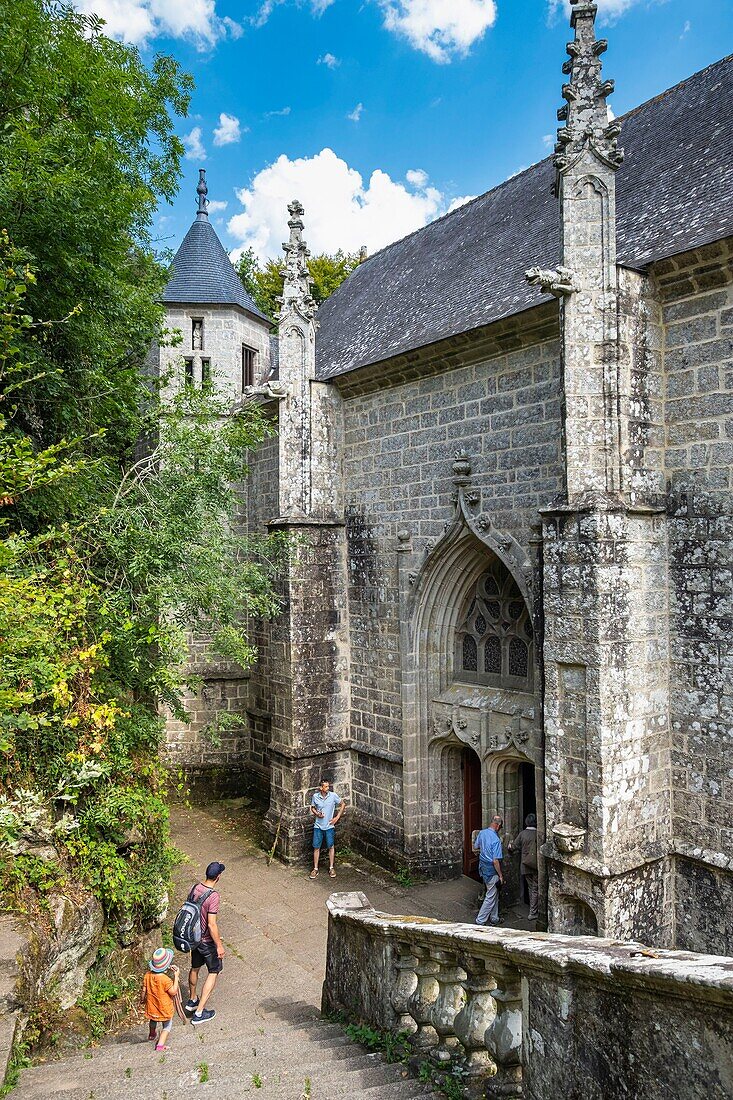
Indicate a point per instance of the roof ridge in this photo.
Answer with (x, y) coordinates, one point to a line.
(531, 168)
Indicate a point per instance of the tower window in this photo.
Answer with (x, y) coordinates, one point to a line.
(248, 367)
(188, 371)
(205, 373)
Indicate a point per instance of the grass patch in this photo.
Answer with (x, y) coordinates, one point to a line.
(17, 1061)
(107, 994)
(448, 1080)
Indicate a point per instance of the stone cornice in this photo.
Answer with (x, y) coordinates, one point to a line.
(532, 326)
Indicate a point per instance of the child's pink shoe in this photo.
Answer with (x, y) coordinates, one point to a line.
(160, 1047)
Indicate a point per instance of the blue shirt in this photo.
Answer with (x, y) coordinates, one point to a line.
(489, 846)
(327, 804)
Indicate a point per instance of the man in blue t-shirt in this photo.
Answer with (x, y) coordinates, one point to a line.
(490, 854)
(327, 808)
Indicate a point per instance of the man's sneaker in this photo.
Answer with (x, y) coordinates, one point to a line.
(190, 1007)
(496, 921)
(202, 1017)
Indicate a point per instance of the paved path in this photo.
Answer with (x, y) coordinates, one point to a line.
(267, 1036)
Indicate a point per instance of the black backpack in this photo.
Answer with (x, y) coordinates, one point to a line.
(187, 925)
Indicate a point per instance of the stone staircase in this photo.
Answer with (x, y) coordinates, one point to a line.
(284, 1049)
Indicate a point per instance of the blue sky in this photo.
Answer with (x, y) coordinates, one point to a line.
(420, 102)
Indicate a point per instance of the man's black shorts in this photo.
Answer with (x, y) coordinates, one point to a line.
(205, 955)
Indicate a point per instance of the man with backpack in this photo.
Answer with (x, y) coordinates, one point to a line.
(197, 930)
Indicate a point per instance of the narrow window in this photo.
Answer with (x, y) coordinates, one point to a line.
(518, 658)
(197, 333)
(188, 366)
(470, 654)
(205, 373)
(248, 367)
(492, 655)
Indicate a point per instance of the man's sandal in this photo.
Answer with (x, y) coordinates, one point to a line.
(313, 874)
(331, 873)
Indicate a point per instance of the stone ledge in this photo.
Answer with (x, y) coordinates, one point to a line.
(680, 973)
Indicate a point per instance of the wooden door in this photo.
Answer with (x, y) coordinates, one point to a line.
(471, 809)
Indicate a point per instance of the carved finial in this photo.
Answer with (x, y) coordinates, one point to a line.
(461, 467)
(586, 111)
(296, 290)
(202, 191)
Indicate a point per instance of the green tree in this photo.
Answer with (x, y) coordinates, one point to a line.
(93, 613)
(104, 561)
(264, 281)
(87, 150)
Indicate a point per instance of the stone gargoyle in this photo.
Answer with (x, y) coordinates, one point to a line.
(558, 281)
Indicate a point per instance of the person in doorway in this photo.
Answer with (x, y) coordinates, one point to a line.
(327, 808)
(158, 996)
(490, 855)
(526, 842)
(209, 951)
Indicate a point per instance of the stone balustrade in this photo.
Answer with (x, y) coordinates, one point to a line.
(536, 1016)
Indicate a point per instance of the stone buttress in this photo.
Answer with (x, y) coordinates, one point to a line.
(604, 548)
(309, 681)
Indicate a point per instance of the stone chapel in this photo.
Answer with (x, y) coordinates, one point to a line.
(505, 445)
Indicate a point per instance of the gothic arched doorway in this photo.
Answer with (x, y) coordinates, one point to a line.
(470, 685)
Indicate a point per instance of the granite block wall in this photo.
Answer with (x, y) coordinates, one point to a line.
(400, 443)
(697, 298)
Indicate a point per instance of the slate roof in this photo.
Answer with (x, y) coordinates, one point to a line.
(203, 273)
(674, 192)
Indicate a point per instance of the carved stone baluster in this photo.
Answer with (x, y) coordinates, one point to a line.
(404, 987)
(503, 1037)
(472, 1022)
(449, 1002)
(420, 1005)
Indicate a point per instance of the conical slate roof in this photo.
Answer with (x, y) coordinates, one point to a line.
(202, 271)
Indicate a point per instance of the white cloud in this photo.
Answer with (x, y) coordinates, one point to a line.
(268, 6)
(282, 113)
(442, 29)
(329, 61)
(193, 145)
(608, 10)
(229, 130)
(137, 21)
(216, 206)
(417, 177)
(236, 30)
(355, 115)
(341, 211)
(686, 29)
(461, 201)
(548, 140)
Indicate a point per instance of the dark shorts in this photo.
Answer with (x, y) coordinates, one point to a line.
(205, 955)
(320, 834)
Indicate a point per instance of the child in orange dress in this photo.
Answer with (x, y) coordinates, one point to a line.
(158, 992)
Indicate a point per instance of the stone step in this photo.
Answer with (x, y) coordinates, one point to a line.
(128, 1068)
(156, 1082)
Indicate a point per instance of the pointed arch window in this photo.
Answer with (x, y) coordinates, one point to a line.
(494, 642)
